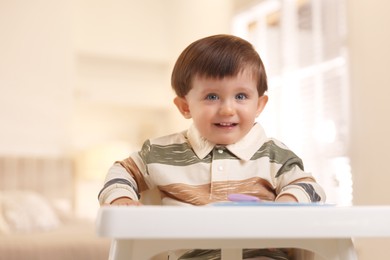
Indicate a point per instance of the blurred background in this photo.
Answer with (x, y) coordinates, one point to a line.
(90, 81)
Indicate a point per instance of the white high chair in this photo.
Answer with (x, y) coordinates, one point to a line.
(141, 233)
(152, 197)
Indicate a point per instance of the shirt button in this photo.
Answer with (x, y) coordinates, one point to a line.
(220, 151)
(220, 168)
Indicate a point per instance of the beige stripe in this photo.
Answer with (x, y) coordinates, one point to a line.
(205, 194)
(200, 174)
(134, 172)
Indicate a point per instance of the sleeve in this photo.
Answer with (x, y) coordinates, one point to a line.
(293, 180)
(127, 178)
(118, 183)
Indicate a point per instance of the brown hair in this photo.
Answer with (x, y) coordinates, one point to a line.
(217, 56)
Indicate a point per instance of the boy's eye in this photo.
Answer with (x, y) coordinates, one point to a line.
(211, 97)
(241, 96)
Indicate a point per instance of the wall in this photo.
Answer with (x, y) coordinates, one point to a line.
(369, 42)
(36, 75)
(125, 52)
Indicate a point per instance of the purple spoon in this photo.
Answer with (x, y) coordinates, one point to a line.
(242, 198)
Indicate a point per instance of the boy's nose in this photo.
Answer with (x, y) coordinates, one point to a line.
(227, 108)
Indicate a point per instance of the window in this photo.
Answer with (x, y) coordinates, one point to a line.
(302, 44)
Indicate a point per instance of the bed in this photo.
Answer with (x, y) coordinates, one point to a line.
(37, 220)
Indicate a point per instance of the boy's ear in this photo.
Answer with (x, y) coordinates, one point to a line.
(182, 104)
(261, 104)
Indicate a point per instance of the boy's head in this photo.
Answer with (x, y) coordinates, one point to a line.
(217, 56)
(220, 83)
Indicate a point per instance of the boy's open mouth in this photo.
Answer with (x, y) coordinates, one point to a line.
(226, 124)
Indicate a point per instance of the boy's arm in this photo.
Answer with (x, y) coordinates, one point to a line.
(291, 182)
(295, 184)
(119, 184)
(124, 201)
(286, 198)
(302, 189)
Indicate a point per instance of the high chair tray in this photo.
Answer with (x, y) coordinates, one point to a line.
(141, 232)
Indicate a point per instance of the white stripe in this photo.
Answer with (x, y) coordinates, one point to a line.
(177, 138)
(220, 170)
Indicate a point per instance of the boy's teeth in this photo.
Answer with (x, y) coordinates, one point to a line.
(225, 124)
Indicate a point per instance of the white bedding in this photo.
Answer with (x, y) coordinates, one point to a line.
(37, 221)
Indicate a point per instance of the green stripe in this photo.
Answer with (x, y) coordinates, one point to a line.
(279, 155)
(173, 154)
(183, 155)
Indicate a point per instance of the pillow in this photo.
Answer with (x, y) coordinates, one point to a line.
(26, 211)
(4, 229)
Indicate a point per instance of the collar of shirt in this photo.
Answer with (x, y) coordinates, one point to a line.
(244, 149)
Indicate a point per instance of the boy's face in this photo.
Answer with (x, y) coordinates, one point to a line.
(223, 110)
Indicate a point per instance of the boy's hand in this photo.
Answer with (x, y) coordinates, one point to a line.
(125, 202)
(286, 198)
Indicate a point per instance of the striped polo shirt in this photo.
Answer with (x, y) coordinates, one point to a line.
(189, 170)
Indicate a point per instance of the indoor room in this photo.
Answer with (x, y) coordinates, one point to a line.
(85, 83)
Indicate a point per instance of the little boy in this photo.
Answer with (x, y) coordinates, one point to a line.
(220, 83)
